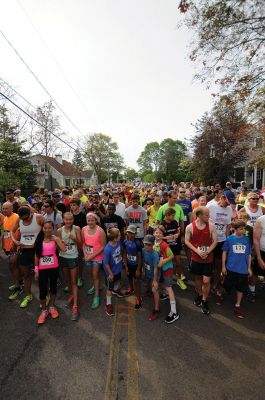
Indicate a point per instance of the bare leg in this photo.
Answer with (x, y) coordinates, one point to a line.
(206, 286)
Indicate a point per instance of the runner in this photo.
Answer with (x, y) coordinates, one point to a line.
(50, 214)
(253, 209)
(47, 269)
(201, 239)
(16, 203)
(120, 207)
(137, 216)
(152, 213)
(30, 225)
(259, 246)
(113, 221)
(70, 234)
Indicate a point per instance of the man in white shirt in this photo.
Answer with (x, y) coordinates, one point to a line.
(120, 207)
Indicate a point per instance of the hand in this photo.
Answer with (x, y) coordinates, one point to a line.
(155, 284)
(88, 258)
(261, 263)
(161, 263)
(202, 254)
(111, 277)
(224, 271)
(17, 242)
(36, 276)
(250, 273)
(72, 237)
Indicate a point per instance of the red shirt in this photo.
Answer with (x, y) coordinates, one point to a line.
(201, 238)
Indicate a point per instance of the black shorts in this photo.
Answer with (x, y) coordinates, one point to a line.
(69, 263)
(176, 249)
(201, 269)
(218, 251)
(237, 281)
(110, 284)
(255, 266)
(132, 271)
(26, 257)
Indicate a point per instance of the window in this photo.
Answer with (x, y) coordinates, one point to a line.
(68, 182)
(259, 173)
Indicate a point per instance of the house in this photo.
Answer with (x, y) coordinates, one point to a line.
(56, 172)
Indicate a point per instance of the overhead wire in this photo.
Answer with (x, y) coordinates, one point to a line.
(15, 91)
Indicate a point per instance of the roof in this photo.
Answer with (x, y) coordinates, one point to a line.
(66, 168)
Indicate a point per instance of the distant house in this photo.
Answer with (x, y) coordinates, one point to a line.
(56, 172)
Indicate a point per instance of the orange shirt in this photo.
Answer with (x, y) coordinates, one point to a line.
(8, 225)
(194, 204)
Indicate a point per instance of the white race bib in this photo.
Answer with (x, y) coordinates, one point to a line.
(47, 260)
(70, 248)
(27, 239)
(131, 258)
(89, 249)
(117, 259)
(7, 235)
(147, 266)
(204, 248)
(239, 249)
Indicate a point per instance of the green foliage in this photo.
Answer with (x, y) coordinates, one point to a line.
(150, 177)
(78, 160)
(130, 174)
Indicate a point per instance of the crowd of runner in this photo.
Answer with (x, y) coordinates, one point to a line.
(142, 229)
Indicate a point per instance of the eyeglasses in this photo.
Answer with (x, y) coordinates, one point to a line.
(182, 192)
(253, 198)
(46, 206)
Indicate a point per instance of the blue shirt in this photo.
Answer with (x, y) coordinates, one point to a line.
(132, 249)
(230, 196)
(238, 251)
(150, 262)
(113, 257)
(186, 207)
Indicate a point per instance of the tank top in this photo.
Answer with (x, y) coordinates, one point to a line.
(253, 215)
(71, 247)
(93, 244)
(201, 238)
(29, 232)
(8, 225)
(48, 258)
(241, 199)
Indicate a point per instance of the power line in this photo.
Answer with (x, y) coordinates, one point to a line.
(20, 95)
(35, 120)
(37, 79)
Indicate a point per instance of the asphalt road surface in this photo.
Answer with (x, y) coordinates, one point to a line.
(128, 357)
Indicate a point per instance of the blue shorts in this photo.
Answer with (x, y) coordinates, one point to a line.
(93, 264)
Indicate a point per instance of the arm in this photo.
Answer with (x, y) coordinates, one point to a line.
(12, 233)
(227, 231)
(214, 238)
(170, 256)
(61, 245)
(155, 282)
(107, 266)
(139, 267)
(36, 269)
(77, 240)
(250, 272)
(256, 241)
(224, 256)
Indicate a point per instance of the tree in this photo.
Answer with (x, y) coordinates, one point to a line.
(15, 166)
(221, 143)
(102, 155)
(149, 159)
(228, 43)
(130, 174)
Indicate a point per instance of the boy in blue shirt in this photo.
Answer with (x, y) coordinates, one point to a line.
(236, 264)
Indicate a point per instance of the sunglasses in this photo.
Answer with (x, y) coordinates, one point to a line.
(253, 198)
(182, 192)
(46, 206)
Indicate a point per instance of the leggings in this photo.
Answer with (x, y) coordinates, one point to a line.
(48, 280)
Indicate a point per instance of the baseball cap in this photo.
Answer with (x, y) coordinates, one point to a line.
(132, 229)
(149, 239)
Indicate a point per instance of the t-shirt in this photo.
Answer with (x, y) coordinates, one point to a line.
(120, 209)
(152, 215)
(186, 207)
(171, 229)
(132, 249)
(230, 196)
(163, 250)
(150, 262)
(221, 217)
(55, 218)
(179, 216)
(113, 257)
(238, 250)
(136, 216)
(80, 219)
(112, 221)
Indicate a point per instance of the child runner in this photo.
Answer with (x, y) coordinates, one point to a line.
(150, 261)
(112, 267)
(71, 236)
(47, 268)
(236, 264)
(94, 242)
(132, 262)
(165, 263)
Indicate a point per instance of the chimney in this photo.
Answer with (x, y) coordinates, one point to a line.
(59, 158)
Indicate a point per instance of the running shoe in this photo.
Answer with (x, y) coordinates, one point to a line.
(239, 313)
(181, 284)
(164, 296)
(75, 313)
(172, 317)
(251, 297)
(198, 301)
(12, 287)
(219, 299)
(129, 292)
(183, 277)
(80, 283)
(48, 298)
(205, 308)
(109, 310)
(25, 302)
(154, 315)
(66, 289)
(14, 295)
(95, 303)
(138, 303)
(117, 293)
(91, 291)
(54, 313)
(69, 301)
(42, 318)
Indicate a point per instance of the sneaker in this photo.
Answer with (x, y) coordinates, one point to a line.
(42, 318)
(239, 313)
(251, 297)
(181, 284)
(54, 313)
(118, 293)
(75, 313)
(91, 291)
(205, 308)
(11, 288)
(25, 302)
(164, 296)
(183, 277)
(219, 299)
(109, 310)
(66, 289)
(154, 315)
(198, 301)
(14, 295)
(95, 303)
(129, 292)
(172, 317)
(138, 303)
(69, 302)
(80, 283)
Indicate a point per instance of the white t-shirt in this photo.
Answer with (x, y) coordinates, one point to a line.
(221, 217)
(212, 202)
(262, 238)
(120, 209)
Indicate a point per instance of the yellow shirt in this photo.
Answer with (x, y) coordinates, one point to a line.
(152, 215)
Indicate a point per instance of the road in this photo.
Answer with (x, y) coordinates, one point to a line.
(127, 356)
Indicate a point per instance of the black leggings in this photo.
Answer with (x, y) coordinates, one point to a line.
(48, 275)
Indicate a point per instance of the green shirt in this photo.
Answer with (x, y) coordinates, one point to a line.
(179, 216)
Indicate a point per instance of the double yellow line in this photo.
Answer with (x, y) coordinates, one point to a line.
(132, 375)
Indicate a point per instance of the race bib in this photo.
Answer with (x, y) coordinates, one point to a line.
(7, 235)
(131, 258)
(219, 228)
(89, 249)
(147, 266)
(204, 248)
(70, 248)
(47, 260)
(117, 259)
(239, 249)
(28, 239)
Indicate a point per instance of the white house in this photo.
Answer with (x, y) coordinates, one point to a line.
(56, 172)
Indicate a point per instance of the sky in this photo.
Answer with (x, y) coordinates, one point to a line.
(117, 67)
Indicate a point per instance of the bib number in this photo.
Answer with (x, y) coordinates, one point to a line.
(7, 235)
(131, 258)
(117, 259)
(47, 260)
(70, 248)
(28, 239)
(204, 248)
(89, 249)
(239, 248)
